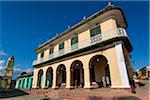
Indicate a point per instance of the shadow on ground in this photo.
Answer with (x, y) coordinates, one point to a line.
(95, 98)
(126, 98)
(46, 98)
(12, 93)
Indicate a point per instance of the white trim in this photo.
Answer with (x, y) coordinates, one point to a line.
(120, 87)
(122, 65)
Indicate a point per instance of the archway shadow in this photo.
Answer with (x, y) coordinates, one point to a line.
(12, 93)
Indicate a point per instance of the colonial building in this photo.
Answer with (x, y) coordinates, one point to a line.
(93, 53)
(143, 73)
(24, 81)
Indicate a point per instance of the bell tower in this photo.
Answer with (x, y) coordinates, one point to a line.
(9, 71)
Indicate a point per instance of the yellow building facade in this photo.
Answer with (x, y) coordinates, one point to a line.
(93, 53)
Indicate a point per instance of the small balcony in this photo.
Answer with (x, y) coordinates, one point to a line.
(117, 32)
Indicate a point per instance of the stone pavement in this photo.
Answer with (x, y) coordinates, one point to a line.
(142, 93)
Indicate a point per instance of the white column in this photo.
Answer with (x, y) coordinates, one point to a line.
(54, 78)
(68, 77)
(44, 80)
(35, 79)
(86, 75)
(122, 67)
(17, 84)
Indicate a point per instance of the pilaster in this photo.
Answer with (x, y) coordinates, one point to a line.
(122, 67)
(54, 78)
(86, 75)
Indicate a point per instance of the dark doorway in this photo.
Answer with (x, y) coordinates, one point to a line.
(61, 76)
(77, 74)
(49, 77)
(40, 78)
(99, 72)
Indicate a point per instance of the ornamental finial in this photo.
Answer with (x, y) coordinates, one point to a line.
(109, 4)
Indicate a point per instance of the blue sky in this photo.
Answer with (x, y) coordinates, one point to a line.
(25, 25)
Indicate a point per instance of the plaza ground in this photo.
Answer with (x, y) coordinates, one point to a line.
(142, 93)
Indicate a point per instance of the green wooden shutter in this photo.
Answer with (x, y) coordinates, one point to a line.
(61, 46)
(42, 54)
(51, 50)
(74, 40)
(95, 31)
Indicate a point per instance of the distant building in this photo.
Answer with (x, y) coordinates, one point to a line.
(143, 73)
(93, 53)
(24, 81)
(6, 79)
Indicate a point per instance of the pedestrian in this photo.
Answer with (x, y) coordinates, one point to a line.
(104, 82)
(132, 84)
(76, 83)
(107, 82)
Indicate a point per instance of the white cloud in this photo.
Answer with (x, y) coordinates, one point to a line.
(2, 53)
(17, 69)
(2, 62)
(28, 70)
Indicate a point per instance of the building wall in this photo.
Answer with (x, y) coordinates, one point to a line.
(84, 35)
(113, 61)
(108, 25)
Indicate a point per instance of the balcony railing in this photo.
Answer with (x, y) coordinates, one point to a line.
(117, 32)
(74, 47)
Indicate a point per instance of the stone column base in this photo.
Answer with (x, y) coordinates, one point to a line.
(54, 87)
(68, 87)
(120, 87)
(87, 85)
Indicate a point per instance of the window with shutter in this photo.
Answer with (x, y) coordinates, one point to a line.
(51, 50)
(42, 54)
(74, 40)
(61, 46)
(95, 31)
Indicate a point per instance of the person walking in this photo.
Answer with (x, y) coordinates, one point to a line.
(132, 84)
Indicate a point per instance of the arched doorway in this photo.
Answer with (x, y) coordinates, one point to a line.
(40, 78)
(23, 85)
(31, 80)
(27, 82)
(99, 72)
(77, 74)
(61, 76)
(49, 77)
(19, 84)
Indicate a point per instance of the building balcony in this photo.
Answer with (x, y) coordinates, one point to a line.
(117, 32)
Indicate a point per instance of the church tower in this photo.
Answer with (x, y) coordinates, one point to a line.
(9, 71)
